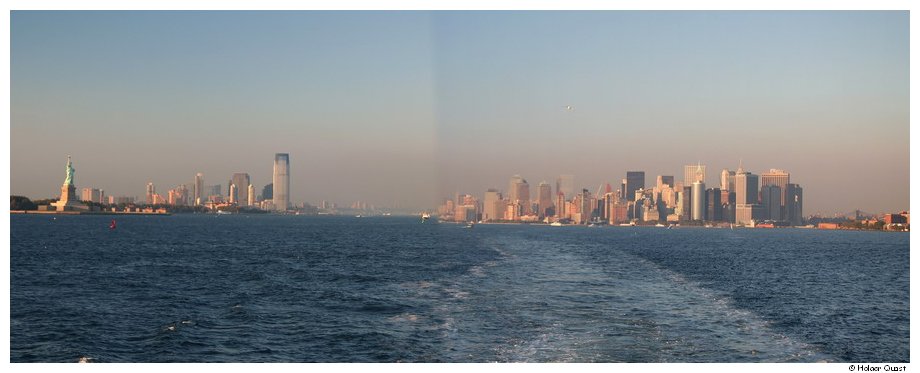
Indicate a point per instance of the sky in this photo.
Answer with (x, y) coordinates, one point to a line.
(407, 107)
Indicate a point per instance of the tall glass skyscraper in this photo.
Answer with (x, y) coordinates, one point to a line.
(281, 182)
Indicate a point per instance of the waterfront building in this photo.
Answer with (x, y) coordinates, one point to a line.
(780, 179)
(619, 213)
(566, 185)
(770, 200)
(492, 206)
(744, 214)
(693, 173)
(92, 195)
(198, 193)
(520, 195)
(233, 193)
(251, 196)
(151, 191)
(727, 182)
(635, 180)
(561, 211)
(698, 201)
(241, 181)
(714, 204)
(281, 182)
(544, 200)
(745, 187)
(794, 208)
(663, 180)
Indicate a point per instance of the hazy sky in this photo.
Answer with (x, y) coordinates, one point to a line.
(407, 107)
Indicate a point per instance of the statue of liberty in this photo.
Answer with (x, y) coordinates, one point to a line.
(69, 179)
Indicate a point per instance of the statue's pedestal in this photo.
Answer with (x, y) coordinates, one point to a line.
(68, 200)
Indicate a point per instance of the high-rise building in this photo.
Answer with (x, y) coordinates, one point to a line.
(151, 191)
(198, 193)
(520, 194)
(779, 178)
(233, 193)
(241, 181)
(698, 201)
(635, 180)
(267, 192)
(281, 182)
(566, 185)
(745, 187)
(251, 196)
(714, 204)
(492, 206)
(92, 195)
(794, 206)
(770, 199)
(544, 199)
(728, 181)
(664, 179)
(694, 172)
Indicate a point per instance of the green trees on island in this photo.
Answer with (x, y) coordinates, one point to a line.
(22, 203)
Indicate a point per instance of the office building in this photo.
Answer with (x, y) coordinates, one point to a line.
(241, 181)
(281, 182)
(566, 185)
(544, 200)
(198, 193)
(698, 200)
(693, 173)
(745, 187)
(794, 207)
(151, 192)
(714, 204)
(780, 179)
(635, 180)
(727, 181)
(770, 197)
(492, 206)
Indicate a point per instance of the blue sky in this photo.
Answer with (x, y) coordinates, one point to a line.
(407, 107)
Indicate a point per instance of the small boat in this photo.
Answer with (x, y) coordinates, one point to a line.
(470, 225)
(556, 224)
(425, 217)
(359, 216)
(659, 225)
(222, 212)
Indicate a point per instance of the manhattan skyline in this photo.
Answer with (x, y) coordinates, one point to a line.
(414, 106)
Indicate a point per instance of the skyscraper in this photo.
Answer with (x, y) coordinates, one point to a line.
(770, 199)
(544, 199)
(267, 192)
(520, 194)
(778, 178)
(745, 187)
(566, 185)
(281, 182)
(694, 172)
(251, 195)
(728, 181)
(698, 201)
(241, 181)
(794, 206)
(635, 180)
(151, 191)
(198, 193)
(492, 206)
(664, 179)
(714, 204)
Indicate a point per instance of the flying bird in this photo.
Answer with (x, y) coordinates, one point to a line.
(569, 108)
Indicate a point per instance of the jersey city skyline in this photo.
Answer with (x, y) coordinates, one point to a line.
(409, 107)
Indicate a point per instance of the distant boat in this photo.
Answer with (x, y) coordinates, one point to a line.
(470, 225)
(556, 224)
(425, 217)
(358, 216)
(222, 212)
(659, 225)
